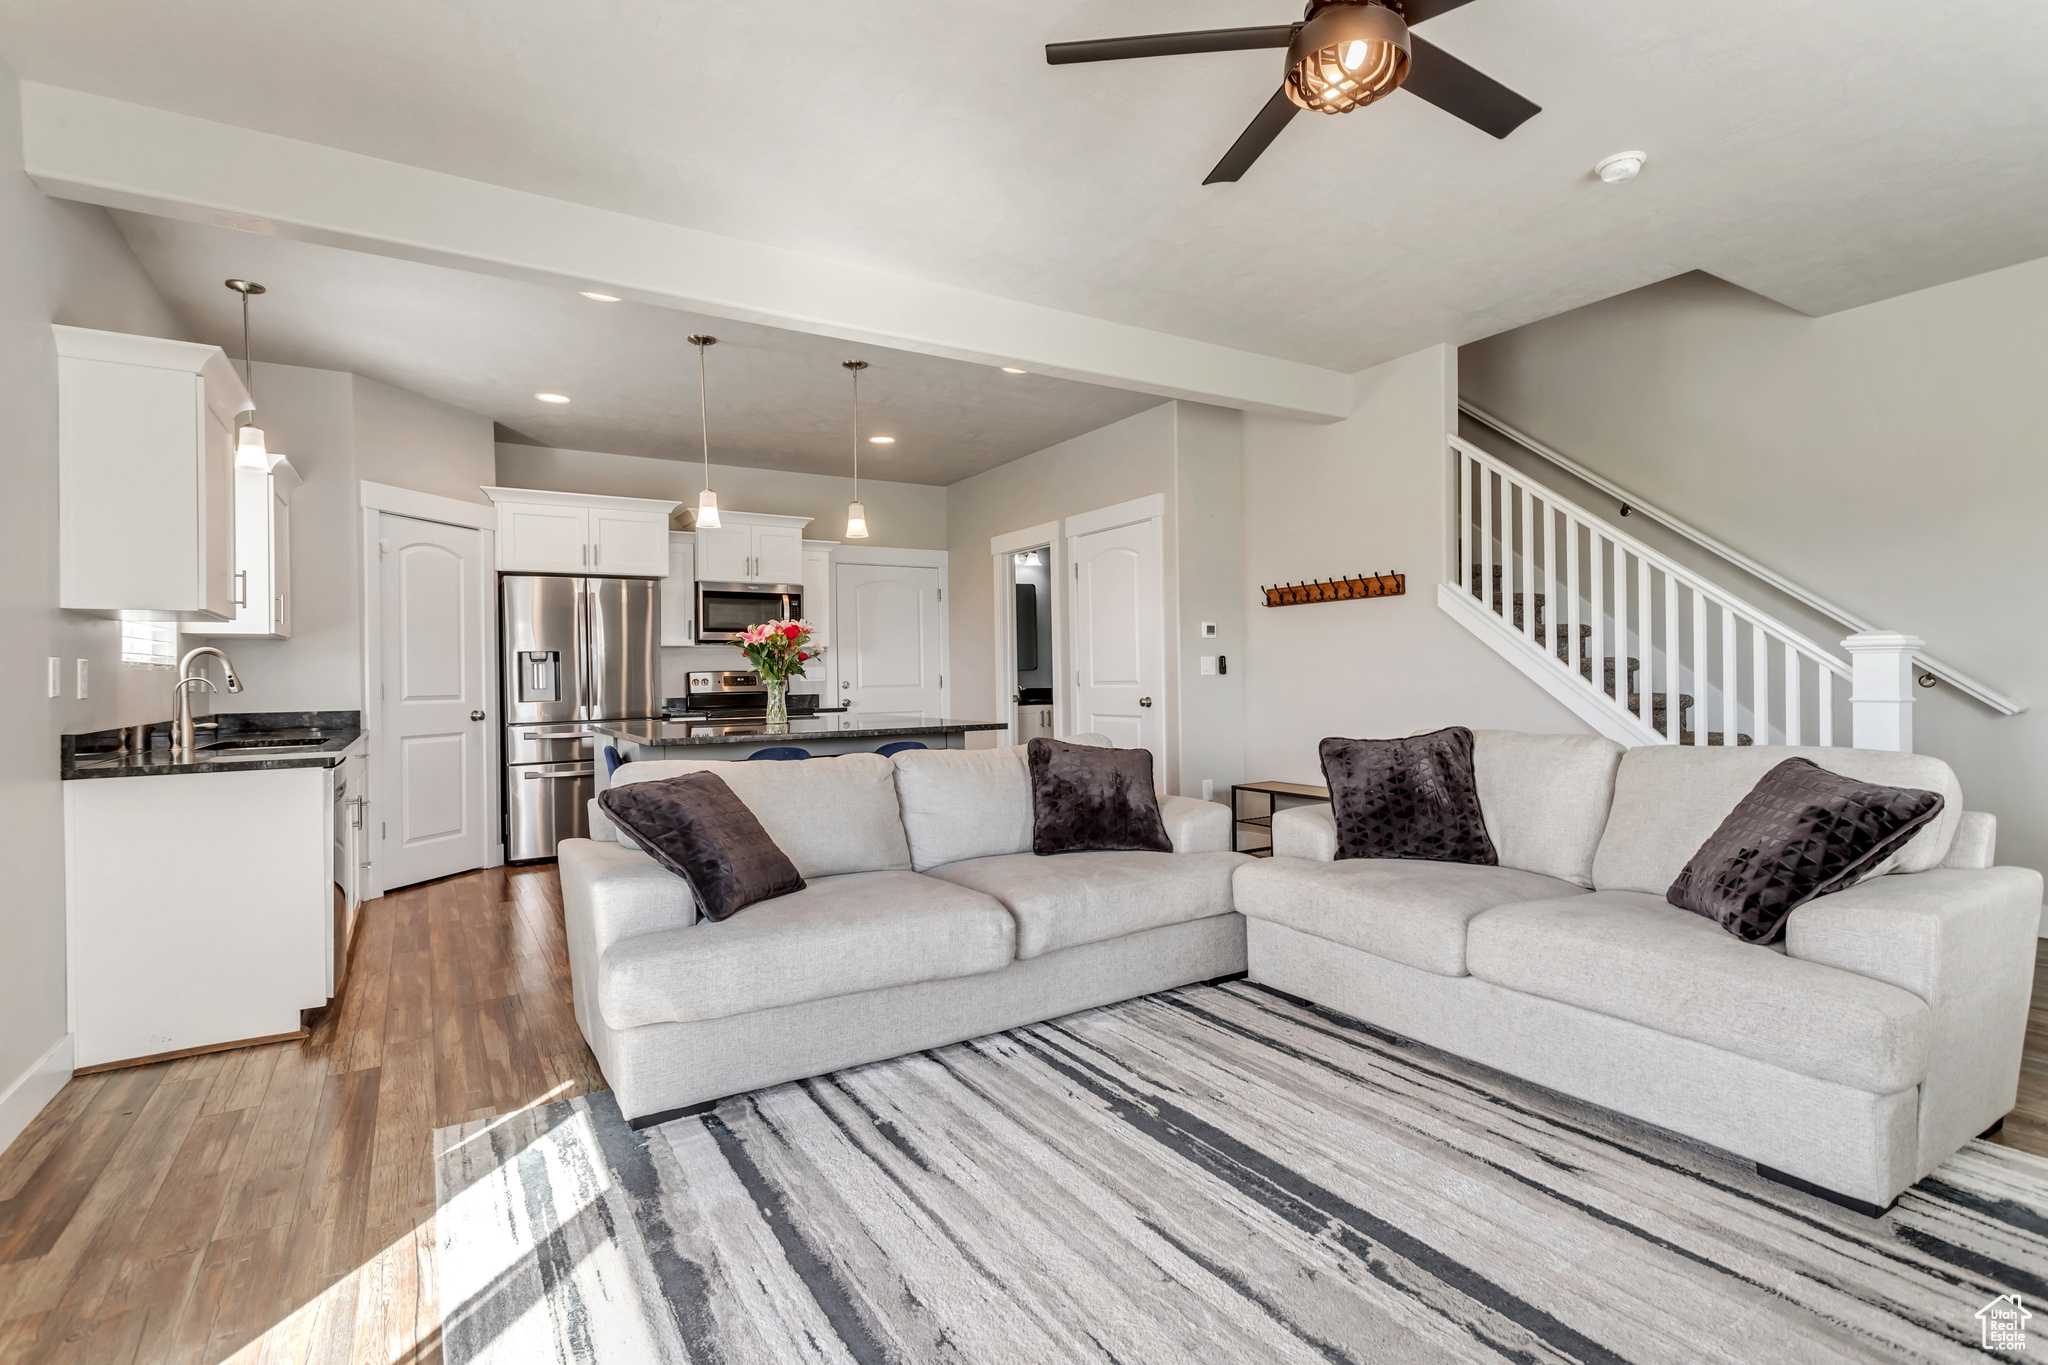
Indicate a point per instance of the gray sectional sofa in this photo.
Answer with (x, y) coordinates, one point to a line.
(926, 919)
(1881, 1034)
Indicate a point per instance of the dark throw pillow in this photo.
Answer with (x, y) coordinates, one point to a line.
(695, 827)
(1407, 798)
(1802, 832)
(1085, 799)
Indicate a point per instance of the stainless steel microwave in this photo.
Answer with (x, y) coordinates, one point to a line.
(724, 610)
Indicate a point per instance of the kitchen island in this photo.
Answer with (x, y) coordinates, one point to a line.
(832, 732)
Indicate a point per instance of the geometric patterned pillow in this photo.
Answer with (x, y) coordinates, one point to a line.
(1802, 832)
(1407, 798)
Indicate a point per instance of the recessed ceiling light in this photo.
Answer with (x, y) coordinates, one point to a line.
(552, 397)
(601, 298)
(1619, 167)
(881, 440)
(1011, 369)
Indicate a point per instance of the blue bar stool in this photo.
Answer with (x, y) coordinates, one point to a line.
(611, 759)
(783, 751)
(899, 746)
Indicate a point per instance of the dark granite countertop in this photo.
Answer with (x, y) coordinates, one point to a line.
(833, 725)
(278, 739)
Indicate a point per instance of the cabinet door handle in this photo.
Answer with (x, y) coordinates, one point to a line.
(579, 772)
(584, 557)
(596, 555)
(241, 587)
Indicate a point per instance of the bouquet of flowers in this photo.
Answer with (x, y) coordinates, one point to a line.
(776, 649)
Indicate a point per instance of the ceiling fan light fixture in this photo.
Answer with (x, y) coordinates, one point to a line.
(1350, 53)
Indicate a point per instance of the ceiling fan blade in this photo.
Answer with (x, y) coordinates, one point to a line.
(1458, 89)
(1415, 11)
(1170, 44)
(1256, 137)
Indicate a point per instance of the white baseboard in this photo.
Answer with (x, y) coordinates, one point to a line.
(27, 1093)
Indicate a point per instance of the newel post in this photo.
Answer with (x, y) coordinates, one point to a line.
(1881, 688)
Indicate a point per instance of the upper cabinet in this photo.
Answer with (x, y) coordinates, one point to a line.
(545, 532)
(146, 475)
(263, 555)
(752, 547)
(678, 595)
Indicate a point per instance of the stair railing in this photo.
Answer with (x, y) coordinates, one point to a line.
(1639, 646)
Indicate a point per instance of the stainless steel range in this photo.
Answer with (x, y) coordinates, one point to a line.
(576, 650)
(735, 694)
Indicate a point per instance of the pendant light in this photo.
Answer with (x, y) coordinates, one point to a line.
(707, 501)
(856, 515)
(250, 452)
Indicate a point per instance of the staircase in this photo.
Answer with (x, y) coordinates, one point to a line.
(1681, 660)
(1659, 701)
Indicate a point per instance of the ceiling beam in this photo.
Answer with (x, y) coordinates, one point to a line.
(104, 151)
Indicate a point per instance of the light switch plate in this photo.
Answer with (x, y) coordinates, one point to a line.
(56, 677)
(84, 687)
(1208, 665)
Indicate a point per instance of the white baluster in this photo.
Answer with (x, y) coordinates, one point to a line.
(1730, 698)
(1598, 569)
(1571, 569)
(1553, 605)
(1486, 536)
(1646, 632)
(1461, 537)
(1528, 574)
(1674, 719)
(1826, 718)
(1698, 606)
(1760, 644)
(1795, 675)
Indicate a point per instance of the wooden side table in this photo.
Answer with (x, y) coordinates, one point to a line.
(1252, 827)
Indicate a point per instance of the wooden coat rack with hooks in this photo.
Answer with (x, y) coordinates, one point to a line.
(1337, 589)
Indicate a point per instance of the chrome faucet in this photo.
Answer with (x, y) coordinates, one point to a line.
(181, 695)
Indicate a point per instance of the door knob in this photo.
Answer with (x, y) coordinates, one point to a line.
(478, 715)
(845, 687)
(1144, 701)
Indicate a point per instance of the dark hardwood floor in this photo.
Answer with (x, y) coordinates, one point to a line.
(276, 1203)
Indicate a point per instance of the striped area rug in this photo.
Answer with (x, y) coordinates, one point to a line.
(1217, 1174)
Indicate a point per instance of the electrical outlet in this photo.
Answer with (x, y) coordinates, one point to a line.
(84, 687)
(56, 678)
(1208, 789)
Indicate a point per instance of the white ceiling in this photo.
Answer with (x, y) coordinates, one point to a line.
(778, 399)
(1824, 155)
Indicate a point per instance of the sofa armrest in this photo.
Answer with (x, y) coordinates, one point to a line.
(617, 893)
(1976, 840)
(1964, 941)
(1305, 832)
(1196, 826)
(601, 827)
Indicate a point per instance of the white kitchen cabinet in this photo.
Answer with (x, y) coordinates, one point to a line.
(263, 556)
(350, 794)
(817, 581)
(752, 547)
(679, 592)
(541, 531)
(146, 475)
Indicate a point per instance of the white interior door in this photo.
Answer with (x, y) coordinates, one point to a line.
(887, 637)
(433, 798)
(1119, 637)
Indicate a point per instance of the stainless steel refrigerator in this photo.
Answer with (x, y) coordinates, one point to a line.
(575, 650)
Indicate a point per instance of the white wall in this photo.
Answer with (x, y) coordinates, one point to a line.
(60, 263)
(1888, 457)
(412, 442)
(909, 516)
(1209, 526)
(1365, 495)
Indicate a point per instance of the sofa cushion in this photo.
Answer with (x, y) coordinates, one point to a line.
(1089, 897)
(1669, 797)
(1413, 913)
(1545, 798)
(838, 936)
(1632, 956)
(831, 816)
(1407, 798)
(694, 826)
(1802, 832)
(964, 803)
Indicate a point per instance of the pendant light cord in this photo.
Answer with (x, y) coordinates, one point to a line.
(856, 435)
(248, 361)
(703, 415)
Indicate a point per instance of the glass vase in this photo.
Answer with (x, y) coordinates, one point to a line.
(778, 703)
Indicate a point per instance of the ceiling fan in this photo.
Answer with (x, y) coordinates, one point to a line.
(1343, 55)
